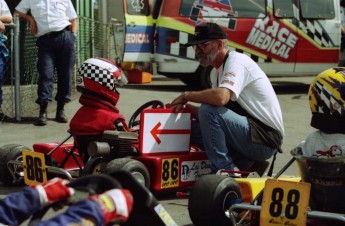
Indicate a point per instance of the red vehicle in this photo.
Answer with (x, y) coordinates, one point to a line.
(158, 153)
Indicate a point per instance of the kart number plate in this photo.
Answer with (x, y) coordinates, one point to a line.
(34, 167)
(284, 203)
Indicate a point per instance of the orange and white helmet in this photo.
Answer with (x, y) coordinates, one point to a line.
(327, 100)
(98, 77)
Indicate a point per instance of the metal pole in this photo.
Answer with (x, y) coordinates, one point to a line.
(17, 68)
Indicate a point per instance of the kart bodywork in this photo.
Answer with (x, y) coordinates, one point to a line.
(314, 199)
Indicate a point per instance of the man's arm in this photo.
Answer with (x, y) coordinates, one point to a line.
(213, 96)
(30, 19)
(6, 19)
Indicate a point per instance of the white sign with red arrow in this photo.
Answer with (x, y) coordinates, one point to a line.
(162, 130)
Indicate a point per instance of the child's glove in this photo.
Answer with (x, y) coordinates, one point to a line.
(53, 190)
(115, 204)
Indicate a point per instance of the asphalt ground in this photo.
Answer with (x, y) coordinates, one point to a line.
(292, 94)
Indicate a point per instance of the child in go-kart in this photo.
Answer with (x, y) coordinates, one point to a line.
(96, 80)
(327, 104)
(113, 205)
(321, 155)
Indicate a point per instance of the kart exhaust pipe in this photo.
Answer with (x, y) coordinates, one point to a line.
(98, 148)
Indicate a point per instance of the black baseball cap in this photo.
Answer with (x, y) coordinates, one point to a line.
(206, 32)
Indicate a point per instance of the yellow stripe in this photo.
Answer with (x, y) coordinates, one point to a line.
(139, 20)
(168, 22)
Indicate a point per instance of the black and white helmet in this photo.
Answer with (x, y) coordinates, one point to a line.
(99, 76)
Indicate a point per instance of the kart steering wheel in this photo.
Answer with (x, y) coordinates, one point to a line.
(153, 104)
(84, 187)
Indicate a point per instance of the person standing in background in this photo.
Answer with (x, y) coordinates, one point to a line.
(55, 24)
(5, 17)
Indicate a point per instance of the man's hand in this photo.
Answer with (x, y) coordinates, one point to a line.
(179, 102)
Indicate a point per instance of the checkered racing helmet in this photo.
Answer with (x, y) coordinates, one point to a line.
(98, 77)
(327, 100)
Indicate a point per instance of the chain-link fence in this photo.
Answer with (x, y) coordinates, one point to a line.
(95, 39)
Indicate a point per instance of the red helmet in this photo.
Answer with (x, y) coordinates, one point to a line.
(98, 77)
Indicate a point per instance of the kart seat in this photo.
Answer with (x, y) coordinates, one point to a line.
(327, 179)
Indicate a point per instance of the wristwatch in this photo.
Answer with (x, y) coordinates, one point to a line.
(184, 95)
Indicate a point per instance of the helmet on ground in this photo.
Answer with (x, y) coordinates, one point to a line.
(98, 77)
(327, 100)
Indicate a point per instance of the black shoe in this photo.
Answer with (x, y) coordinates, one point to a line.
(42, 119)
(60, 116)
(259, 167)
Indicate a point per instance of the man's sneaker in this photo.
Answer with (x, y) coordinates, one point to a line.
(259, 167)
(115, 204)
(230, 173)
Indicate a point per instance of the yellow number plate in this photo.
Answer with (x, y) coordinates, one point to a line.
(170, 173)
(34, 167)
(284, 203)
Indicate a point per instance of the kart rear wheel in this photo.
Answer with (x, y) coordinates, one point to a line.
(210, 198)
(11, 152)
(136, 168)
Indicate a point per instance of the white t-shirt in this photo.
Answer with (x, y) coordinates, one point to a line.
(4, 10)
(251, 89)
(50, 15)
(323, 145)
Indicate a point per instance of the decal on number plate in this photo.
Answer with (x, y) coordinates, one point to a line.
(34, 167)
(192, 170)
(170, 172)
(285, 203)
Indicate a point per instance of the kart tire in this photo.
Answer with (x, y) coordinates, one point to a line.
(209, 199)
(136, 168)
(94, 166)
(10, 152)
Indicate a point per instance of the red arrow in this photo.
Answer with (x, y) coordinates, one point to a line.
(156, 131)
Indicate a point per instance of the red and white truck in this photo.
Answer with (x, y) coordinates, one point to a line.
(285, 37)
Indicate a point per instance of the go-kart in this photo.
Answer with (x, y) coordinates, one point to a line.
(316, 198)
(146, 208)
(154, 147)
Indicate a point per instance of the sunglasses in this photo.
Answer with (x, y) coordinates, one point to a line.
(201, 46)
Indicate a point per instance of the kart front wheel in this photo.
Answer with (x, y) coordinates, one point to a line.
(136, 168)
(11, 152)
(210, 199)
